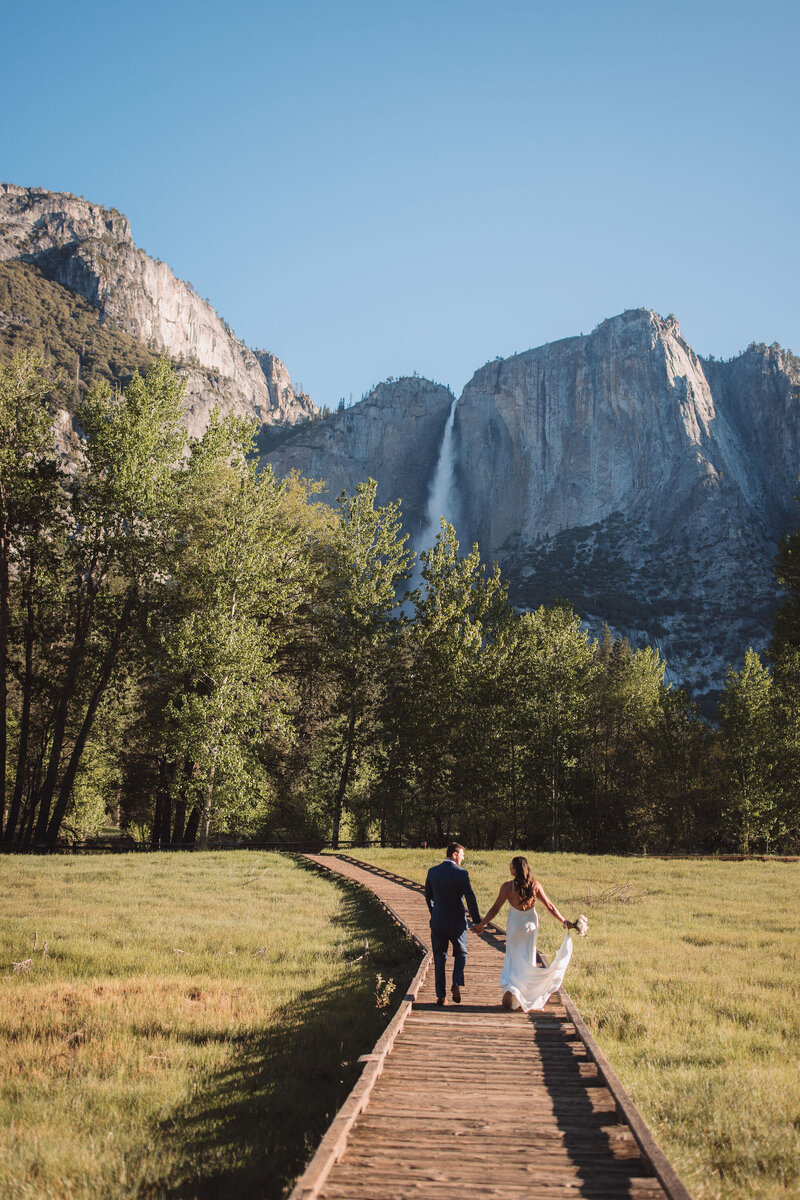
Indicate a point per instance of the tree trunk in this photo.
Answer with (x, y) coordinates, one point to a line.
(27, 832)
(554, 795)
(192, 825)
(338, 803)
(179, 823)
(155, 832)
(513, 794)
(45, 797)
(4, 623)
(208, 798)
(162, 817)
(68, 781)
(165, 792)
(25, 718)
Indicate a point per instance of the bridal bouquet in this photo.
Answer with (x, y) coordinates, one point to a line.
(582, 926)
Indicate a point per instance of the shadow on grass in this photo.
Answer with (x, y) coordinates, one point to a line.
(252, 1128)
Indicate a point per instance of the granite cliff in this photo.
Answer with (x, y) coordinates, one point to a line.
(619, 470)
(392, 435)
(90, 251)
(645, 484)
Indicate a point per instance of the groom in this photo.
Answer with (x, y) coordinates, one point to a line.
(445, 887)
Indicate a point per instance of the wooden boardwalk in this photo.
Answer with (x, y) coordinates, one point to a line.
(471, 1100)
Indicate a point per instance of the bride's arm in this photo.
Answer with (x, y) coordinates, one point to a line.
(551, 908)
(502, 896)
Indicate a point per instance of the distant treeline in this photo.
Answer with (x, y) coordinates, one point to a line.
(191, 650)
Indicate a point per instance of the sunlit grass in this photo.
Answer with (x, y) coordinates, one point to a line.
(690, 980)
(192, 1028)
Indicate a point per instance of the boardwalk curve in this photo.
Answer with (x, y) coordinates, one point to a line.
(471, 1099)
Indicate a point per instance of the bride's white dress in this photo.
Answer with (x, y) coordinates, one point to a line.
(530, 985)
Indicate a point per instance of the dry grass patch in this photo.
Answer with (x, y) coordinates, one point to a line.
(193, 1026)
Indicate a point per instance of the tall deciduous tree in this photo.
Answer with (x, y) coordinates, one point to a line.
(122, 514)
(749, 743)
(550, 676)
(784, 655)
(105, 531)
(459, 610)
(624, 711)
(240, 573)
(29, 497)
(370, 562)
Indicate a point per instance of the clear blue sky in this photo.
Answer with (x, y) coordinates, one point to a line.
(373, 188)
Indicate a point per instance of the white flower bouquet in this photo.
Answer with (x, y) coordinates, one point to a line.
(582, 925)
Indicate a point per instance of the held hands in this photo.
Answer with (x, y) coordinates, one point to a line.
(479, 927)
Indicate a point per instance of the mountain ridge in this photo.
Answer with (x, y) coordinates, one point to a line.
(90, 250)
(618, 469)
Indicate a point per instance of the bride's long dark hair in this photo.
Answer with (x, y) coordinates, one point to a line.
(524, 881)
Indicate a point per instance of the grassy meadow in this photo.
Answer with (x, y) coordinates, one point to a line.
(690, 981)
(192, 1027)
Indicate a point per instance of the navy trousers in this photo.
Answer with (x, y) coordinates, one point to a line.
(441, 940)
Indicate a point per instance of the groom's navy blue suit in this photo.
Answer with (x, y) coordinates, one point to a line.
(446, 888)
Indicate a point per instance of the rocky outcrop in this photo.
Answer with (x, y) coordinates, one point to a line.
(648, 487)
(89, 249)
(393, 436)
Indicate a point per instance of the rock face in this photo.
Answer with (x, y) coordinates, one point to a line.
(619, 470)
(392, 436)
(645, 485)
(90, 250)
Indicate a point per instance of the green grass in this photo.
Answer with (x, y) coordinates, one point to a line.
(690, 981)
(129, 1069)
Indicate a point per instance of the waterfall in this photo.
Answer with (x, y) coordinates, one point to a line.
(441, 497)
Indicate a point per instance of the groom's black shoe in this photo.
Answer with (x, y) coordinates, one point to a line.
(441, 1001)
(456, 990)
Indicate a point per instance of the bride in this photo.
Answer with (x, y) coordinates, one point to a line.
(524, 984)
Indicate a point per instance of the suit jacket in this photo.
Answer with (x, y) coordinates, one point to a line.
(446, 888)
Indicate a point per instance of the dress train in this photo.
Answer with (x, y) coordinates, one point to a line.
(530, 985)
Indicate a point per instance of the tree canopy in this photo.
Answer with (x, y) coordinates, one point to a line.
(193, 650)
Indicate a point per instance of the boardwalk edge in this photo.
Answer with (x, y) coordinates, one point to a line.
(662, 1168)
(334, 1141)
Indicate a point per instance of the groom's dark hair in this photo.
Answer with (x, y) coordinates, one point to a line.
(452, 847)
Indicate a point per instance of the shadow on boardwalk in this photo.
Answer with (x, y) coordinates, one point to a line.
(584, 1130)
(251, 1129)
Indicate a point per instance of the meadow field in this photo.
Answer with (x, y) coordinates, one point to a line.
(186, 1024)
(690, 981)
(196, 1019)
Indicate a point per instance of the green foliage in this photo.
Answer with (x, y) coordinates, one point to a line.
(749, 740)
(784, 656)
(369, 565)
(239, 575)
(194, 650)
(549, 675)
(88, 559)
(64, 332)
